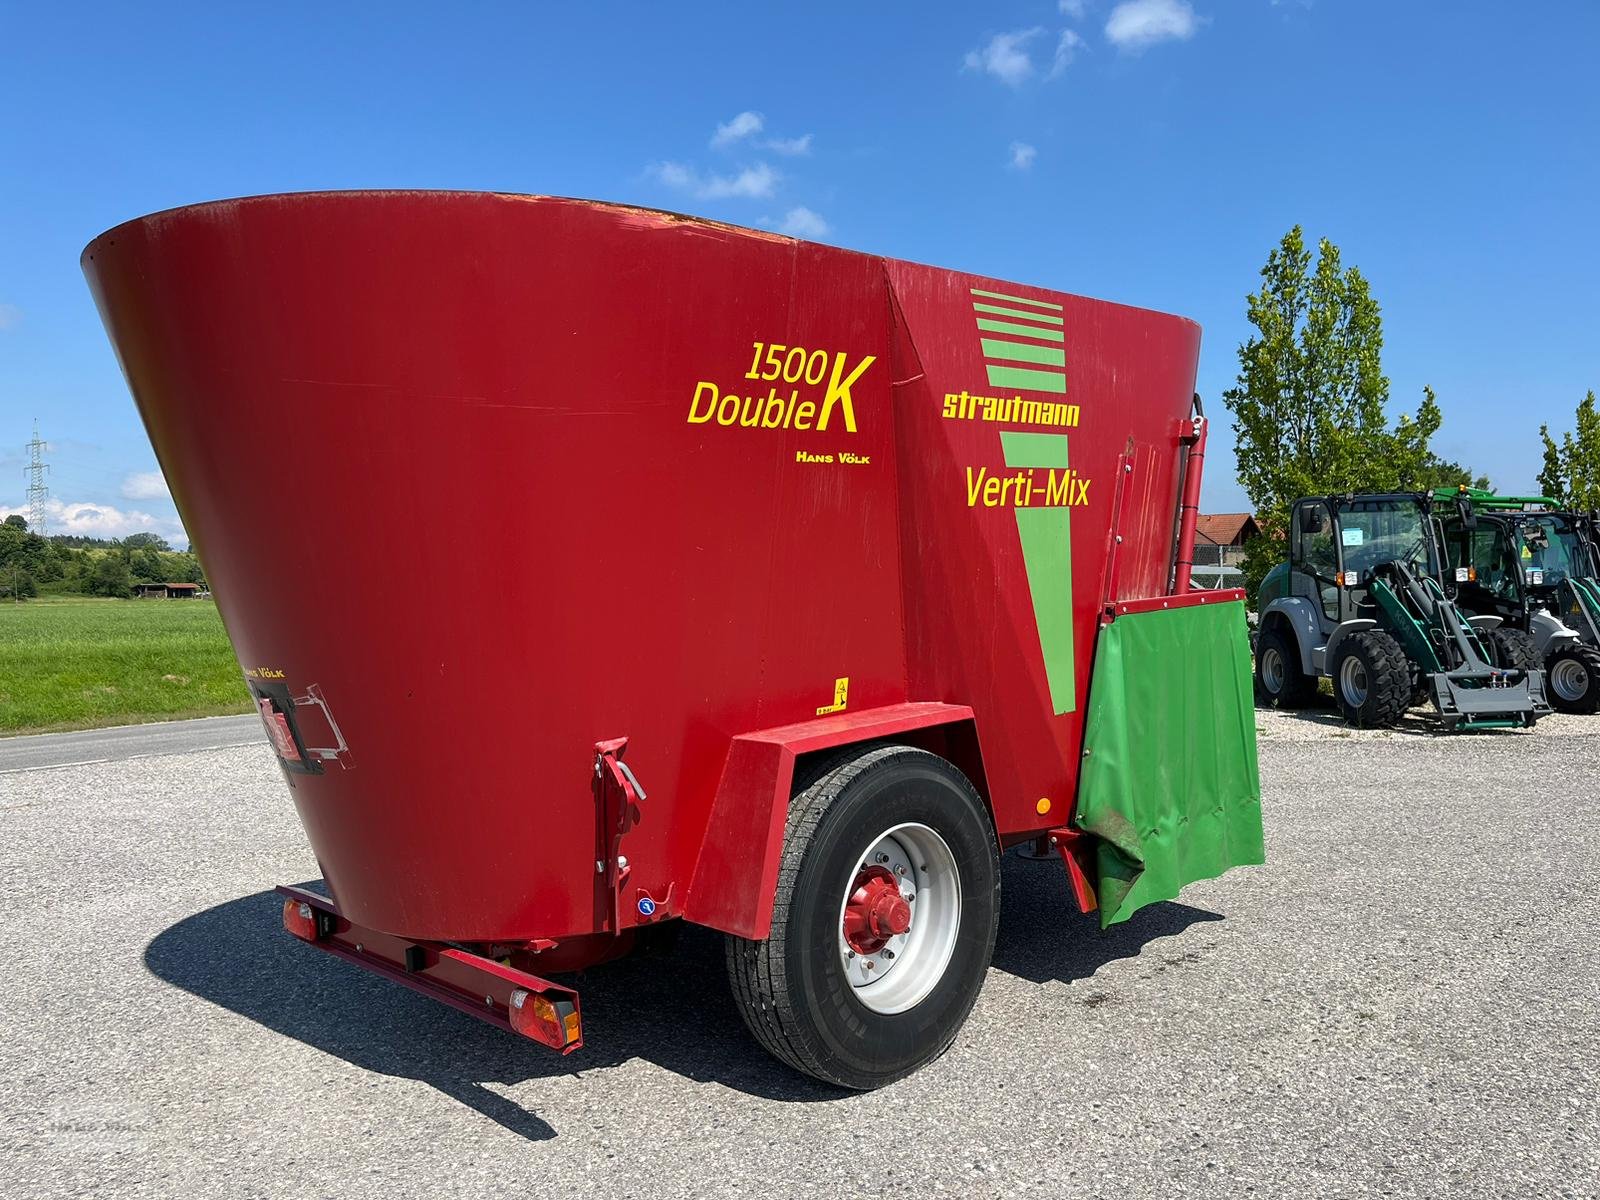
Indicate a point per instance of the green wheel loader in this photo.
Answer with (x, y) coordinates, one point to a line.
(1536, 566)
(1361, 602)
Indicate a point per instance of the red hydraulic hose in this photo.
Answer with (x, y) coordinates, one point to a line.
(1189, 508)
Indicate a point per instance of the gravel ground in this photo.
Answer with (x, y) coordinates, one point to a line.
(1323, 723)
(1402, 1003)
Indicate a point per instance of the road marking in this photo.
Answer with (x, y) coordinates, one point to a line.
(88, 762)
(91, 762)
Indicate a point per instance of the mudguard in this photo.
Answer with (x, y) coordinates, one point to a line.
(1345, 629)
(1305, 620)
(736, 876)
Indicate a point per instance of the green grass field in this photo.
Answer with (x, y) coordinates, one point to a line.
(80, 663)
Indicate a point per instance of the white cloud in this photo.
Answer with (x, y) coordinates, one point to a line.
(789, 146)
(757, 182)
(675, 175)
(146, 485)
(1022, 155)
(10, 316)
(1066, 50)
(803, 223)
(1076, 8)
(1005, 57)
(1136, 24)
(743, 128)
(100, 520)
(746, 124)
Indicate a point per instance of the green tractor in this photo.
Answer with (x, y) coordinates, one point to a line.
(1523, 559)
(1361, 602)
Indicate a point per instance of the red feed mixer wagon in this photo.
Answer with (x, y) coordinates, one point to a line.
(594, 567)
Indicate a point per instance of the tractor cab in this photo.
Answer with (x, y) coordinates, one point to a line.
(1340, 544)
(1510, 562)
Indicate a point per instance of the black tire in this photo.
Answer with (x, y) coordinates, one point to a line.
(1385, 672)
(792, 989)
(1512, 649)
(1286, 685)
(1572, 679)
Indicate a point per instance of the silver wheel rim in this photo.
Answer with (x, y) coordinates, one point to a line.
(1353, 681)
(1569, 679)
(899, 975)
(1272, 669)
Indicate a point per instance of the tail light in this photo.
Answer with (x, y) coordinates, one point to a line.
(553, 1022)
(278, 730)
(300, 919)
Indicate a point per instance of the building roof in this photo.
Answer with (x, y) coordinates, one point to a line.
(190, 586)
(1223, 529)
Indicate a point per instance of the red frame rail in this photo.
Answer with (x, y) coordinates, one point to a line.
(492, 991)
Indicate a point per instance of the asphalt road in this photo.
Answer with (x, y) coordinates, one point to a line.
(91, 746)
(1402, 1003)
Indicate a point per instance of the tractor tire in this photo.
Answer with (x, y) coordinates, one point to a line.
(1371, 679)
(1512, 649)
(884, 923)
(1280, 683)
(1572, 679)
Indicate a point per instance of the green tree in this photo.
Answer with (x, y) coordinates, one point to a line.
(109, 576)
(50, 565)
(28, 552)
(146, 565)
(1310, 403)
(145, 541)
(13, 540)
(17, 521)
(15, 583)
(1571, 470)
(180, 567)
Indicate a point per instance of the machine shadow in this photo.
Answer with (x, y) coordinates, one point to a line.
(1044, 937)
(673, 1009)
(670, 1009)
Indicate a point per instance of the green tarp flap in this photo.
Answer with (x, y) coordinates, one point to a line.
(1170, 787)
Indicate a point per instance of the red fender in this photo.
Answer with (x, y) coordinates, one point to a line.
(735, 878)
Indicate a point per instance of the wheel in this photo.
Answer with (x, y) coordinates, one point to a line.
(1371, 679)
(1280, 682)
(887, 907)
(1572, 678)
(1512, 649)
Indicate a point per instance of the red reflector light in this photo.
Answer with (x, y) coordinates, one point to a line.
(278, 730)
(300, 919)
(553, 1022)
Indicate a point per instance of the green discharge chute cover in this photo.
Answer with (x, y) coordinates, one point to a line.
(1170, 786)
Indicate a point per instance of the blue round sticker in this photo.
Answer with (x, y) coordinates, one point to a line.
(647, 906)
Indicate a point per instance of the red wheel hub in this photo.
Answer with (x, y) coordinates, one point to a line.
(875, 912)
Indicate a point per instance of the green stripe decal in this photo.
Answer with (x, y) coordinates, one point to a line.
(1046, 534)
(1015, 299)
(1017, 312)
(1022, 352)
(1033, 331)
(1024, 377)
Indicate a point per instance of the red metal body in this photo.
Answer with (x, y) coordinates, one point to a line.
(458, 470)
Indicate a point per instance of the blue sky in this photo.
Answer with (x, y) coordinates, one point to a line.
(1147, 151)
